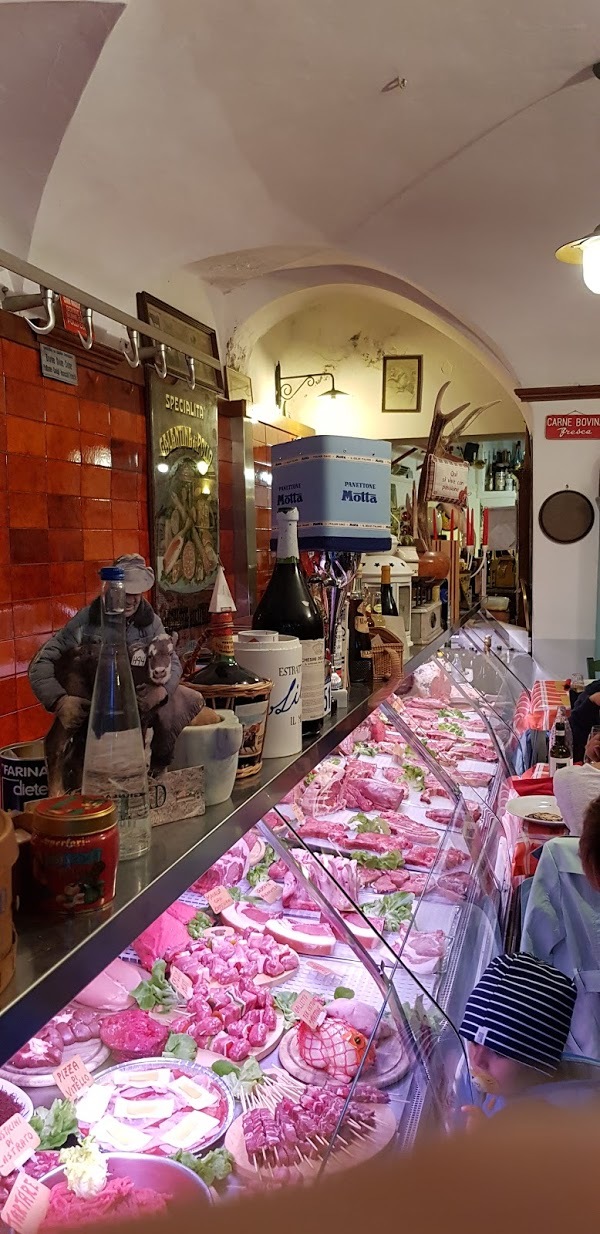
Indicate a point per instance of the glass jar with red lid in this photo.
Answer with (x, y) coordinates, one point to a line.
(75, 853)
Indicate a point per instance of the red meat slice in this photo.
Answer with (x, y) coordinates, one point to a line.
(134, 1034)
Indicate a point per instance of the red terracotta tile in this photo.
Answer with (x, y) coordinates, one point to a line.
(27, 474)
(5, 584)
(21, 362)
(262, 454)
(124, 515)
(62, 408)
(94, 417)
(127, 425)
(64, 477)
(26, 648)
(6, 623)
(263, 538)
(3, 431)
(95, 481)
(225, 473)
(7, 658)
(25, 436)
(64, 510)
(66, 545)
(8, 695)
(142, 487)
(33, 618)
(126, 455)
(29, 583)
(124, 486)
(225, 450)
(25, 695)
(125, 542)
(262, 494)
(144, 546)
(143, 518)
(263, 518)
(3, 472)
(95, 450)
(2, 398)
(97, 545)
(93, 386)
(33, 724)
(225, 513)
(9, 730)
(96, 514)
(24, 399)
(127, 395)
(65, 608)
(29, 544)
(28, 510)
(66, 577)
(63, 444)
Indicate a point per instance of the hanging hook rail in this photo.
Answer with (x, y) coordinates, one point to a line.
(87, 339)
(24, 269)
(158, 355)
(191, 368)
(131, 349)
(44, 298)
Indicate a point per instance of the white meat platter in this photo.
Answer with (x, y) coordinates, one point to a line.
(530, 808)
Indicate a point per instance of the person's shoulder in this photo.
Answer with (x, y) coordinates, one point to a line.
(563, 852)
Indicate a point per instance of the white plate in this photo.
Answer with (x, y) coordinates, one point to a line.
(524, 807)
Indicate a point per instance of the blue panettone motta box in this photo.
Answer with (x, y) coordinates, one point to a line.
(341, 487)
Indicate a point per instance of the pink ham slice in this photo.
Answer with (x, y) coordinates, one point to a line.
(242, 918)
(308, 938)
(111, 990)
(362, 932)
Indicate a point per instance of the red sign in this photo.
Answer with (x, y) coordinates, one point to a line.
(572, 427)
(72, 316)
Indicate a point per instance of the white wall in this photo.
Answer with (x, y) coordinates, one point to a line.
(349, 331)
(564, 577)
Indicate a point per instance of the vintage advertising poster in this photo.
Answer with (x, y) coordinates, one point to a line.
(185, 502)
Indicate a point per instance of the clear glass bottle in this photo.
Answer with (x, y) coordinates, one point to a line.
(115, 763)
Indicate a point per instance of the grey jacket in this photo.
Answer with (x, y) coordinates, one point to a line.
(85, 627)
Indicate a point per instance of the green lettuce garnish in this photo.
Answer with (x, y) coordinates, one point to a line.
(181, 1045)
(213, 1167)
(54, 1126)
(157, 991)
(198, 925)
(394, 908)
(380, 861)
(260, 871)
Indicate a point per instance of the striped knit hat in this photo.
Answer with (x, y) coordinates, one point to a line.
(521, 1008)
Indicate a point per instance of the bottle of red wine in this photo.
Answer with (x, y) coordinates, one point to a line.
(288, 607)
(360, 654)
(389, 608)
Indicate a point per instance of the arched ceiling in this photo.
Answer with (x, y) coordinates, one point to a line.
(214, 143)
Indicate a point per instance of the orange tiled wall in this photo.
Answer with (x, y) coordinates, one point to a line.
(74, 495)
(264, 438)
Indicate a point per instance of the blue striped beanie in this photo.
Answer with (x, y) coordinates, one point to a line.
(521, 1008)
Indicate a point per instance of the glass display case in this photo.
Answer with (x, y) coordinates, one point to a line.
(277, 991)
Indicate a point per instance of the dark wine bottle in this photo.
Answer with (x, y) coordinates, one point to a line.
(360, 655)
(389, 608)
(288, 607)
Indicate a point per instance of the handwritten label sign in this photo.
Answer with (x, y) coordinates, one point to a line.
(269, 891)
(18, 1141)
(572, 427)
(73, 1078)
(309, 1009)
(219, 898)
(181, 984)
(72, 316)
(27, 1205)
(447, 480)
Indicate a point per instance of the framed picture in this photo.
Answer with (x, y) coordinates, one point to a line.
(237, 385)
(180, 326)
(402, 383)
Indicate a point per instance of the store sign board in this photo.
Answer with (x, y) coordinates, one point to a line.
(573, 427)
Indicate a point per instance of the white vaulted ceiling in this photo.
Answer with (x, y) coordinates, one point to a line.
(176, 144)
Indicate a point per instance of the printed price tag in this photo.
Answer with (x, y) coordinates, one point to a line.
(27, 1205)
(322, 969)
(269, 891)
(73, 1078)
(18, 1141)
(219, 898)
(309, 1009)
(72, 316)
(181, 984)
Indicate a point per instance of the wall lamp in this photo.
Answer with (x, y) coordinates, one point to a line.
(284, 386)
(584, 252)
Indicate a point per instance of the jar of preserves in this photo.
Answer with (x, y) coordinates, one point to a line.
(75, 853)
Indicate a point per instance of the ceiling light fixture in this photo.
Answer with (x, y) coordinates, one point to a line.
(284, 389)
(584, 252)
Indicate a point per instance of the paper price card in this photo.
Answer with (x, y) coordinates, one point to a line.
(309, 1009)
(18, 1142)
(73, 1078)
(27, 1205)
(181, 984)
(219, 898)
(72, 316)
(269, 891)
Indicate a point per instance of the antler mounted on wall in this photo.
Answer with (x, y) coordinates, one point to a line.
(437, 444)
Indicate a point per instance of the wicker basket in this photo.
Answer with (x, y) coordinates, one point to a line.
(388, 652)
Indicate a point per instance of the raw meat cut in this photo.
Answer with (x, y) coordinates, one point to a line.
(166, 936)
(309, 938)
(362, 932)
(246, 917)
(443, 816)
(45, 1051)
(334, 1047)
(134, 1034)
(111, 990)
(228, 870)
